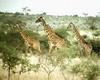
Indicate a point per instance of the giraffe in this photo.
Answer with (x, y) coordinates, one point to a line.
(54, 40)
(29, 41)
(85, 47)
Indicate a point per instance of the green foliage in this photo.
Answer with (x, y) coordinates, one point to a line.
(62, 54)
(76, 69)
(93, 72)
(58, 59)
(96, 46)
(10, 56)
(96, 33)
(10, 50)
(12, 39)
(33, 34)
(73, 51)
(24, 64)
(62, 32)
(91, 21)
(44, 44)
(34, 67)
(27, 66)
(70, 52)
(2, 36)
(88, 69)
(18, 13)
(8, 23)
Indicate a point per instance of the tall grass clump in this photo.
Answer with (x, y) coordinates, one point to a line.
(87, 69)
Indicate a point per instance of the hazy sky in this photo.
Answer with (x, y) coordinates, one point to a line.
(55, 7)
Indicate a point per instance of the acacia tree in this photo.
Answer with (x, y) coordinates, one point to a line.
(48, 65)
(13, 57)
(10, 58)
(8, 23)
(26, 10)
(52, 61)
(9, 54)
(9, 42)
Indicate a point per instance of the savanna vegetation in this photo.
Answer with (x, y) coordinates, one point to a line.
(17, 63)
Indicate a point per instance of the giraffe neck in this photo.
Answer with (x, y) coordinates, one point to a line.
(47, 28)
(78, 36)
(24, 36)
(43, 22)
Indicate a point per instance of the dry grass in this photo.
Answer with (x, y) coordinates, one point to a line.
(57, 74)
(40, 75)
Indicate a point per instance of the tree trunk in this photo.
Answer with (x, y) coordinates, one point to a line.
(8, 73)
(48, 76)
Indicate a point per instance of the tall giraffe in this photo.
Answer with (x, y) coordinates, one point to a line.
(85, 47)
(54, 40)
(29, 41)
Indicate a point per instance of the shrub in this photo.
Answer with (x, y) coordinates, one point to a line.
(92, 72)
(96, 46)
(44, 44)
(32, 34)
(62, 32)
(96, 33)
(87, 69)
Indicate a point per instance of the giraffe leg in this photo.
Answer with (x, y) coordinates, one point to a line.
(81, 52)
(50, 49)
(39, 50)
(84, 52)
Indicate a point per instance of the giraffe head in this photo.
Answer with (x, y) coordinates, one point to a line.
(70, 26)
(40, 19)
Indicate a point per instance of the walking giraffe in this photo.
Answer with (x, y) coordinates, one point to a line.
(29, 41)
(85, 47)
(54, 40)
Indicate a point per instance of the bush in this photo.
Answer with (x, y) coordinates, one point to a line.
(62, 32)
(32, 34)
(92, 72)
(66, 52)
(44, 44)
(87, 69)
(96, 33)
(96, 46)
